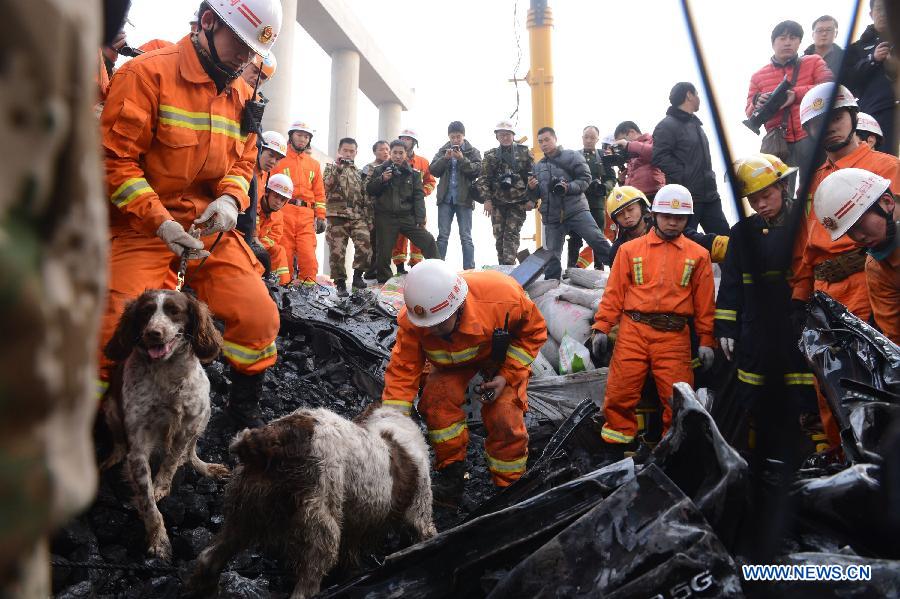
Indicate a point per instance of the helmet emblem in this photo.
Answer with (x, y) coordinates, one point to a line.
(266, 35)
(419, 310)
(818, 103)
(829, 223)
(676, 203)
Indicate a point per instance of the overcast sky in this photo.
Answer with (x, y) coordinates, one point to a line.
(612, 61)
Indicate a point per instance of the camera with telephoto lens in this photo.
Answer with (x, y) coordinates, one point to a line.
(506, 182)
(595, 187)
(557, 186)
(345, 162)
(614, 155)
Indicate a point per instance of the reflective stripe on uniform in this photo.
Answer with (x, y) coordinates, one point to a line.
(747, 278)
(722, 314)
(495, 465)
(399, 257)
(245, 355)
(695, 363)
(129, 190)
(267, 242)
(101, 387)
(638, 268)
(439, 356)
(519, 355)
(282, 270)
(612, 436)
(442, 435)
(320, 205)
(200, 121)
(399, 404)
(799, 378)
(583, 262)
(688, 269)
(237, 180)
(751, 378)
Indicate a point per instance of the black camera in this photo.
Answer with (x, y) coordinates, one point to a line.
(506, 182)
(394, 170)
(345, 162)
(557, 186)
(614, 155)
(454, 148)
(595, 187)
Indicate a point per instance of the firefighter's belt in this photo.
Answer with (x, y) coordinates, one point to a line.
(301, 203)
(660, 322)
(840, 267)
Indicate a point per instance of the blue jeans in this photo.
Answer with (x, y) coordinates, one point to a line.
(463, 214)
(583, 225)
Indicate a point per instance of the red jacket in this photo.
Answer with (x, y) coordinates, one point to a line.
(813, 71)
(641, 173)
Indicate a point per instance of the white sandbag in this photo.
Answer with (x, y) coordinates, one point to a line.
(541, 368)
(563, 318)
(589, 298)
(587, 277)
(573, 357)
(555, 397)
(550, 351)
(540, 287)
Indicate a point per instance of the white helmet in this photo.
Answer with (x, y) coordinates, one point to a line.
(505, 126)
(843, 197)
(865, 122)
(673, 199)
(275, 141)
(816, 100)
(256, 22)
(433, 292)
(302, 126)
(410, 133)
(281, 184)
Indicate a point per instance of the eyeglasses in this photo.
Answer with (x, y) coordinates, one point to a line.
(826, 30)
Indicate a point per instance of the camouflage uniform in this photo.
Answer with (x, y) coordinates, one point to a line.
(365, 172)
(53, 253)
(508, 212)
(349, 213)
(596, 198)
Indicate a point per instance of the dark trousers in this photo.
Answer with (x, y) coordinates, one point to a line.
(597, 206)
(709, 215)
(387, 227)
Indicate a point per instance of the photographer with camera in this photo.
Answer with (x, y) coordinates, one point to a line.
(639, 170)
(603, 179)
(502, 186)
(560, 180)
(381, 149)
(457, 163)
(348, 212)
(785, 136)
(396, 189)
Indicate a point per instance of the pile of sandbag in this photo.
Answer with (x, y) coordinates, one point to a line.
(568, 307)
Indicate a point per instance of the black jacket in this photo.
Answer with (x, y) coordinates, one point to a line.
(681, 152)
(832, 59)
(401, 196)
(867, 79)
(568, 165)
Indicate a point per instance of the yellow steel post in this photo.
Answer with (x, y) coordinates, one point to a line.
(540, 78)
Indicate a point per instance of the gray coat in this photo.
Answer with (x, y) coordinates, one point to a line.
(568, 165)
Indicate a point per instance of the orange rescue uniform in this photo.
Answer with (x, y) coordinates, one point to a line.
(883, 278)
(814, 246)
(173, 144)
(492, 296)
(269, 230)
(652, 276)
(308, 204)
(398, 255)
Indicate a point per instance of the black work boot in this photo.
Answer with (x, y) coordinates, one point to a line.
(448, 484)
(370, 274)
(243, 403)
(401, 269)
(341, 286)
(358, 282)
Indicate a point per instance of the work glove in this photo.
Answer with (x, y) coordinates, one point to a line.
(180, 240)
(320, 226)
(706, 356)
(221, 215)
(727, 345)
(799, 313)
(599, 345)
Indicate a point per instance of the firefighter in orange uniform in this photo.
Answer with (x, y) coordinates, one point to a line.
(657, 282)
(837, 268)
(176, 158)
(304, 216)
(270, 224)
(411, 140)
(449, 321)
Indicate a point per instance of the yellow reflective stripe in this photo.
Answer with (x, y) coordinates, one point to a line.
(751, 378)
(688, 269)
(519, 355)
(723, 314)
(612, 436)
(495, 465)
(101, 387)
(129, 190)
(200, 121)
(245, 355)
(415, 256)
(442, 435)
(638, 268)
(398, 257)
(799, 378)
(282, 270)
(320, 205)
(404, 406)
(695, 363)
(226, 126)
(237, 180)
(719, 248)
(267, 241)
(440, 356)
(583, 262)
(748, 278)
(312, 175)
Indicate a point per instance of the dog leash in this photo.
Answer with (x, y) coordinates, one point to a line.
(182, 266)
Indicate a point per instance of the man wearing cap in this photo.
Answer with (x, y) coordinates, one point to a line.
(411, 139)
(860, 204)
(502, 186)
(658, 281)
(449, 321)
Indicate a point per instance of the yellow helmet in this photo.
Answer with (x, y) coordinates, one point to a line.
(620, 197)
(755, 173)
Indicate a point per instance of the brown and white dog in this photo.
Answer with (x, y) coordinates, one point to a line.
(158, 399)
(313, 488)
